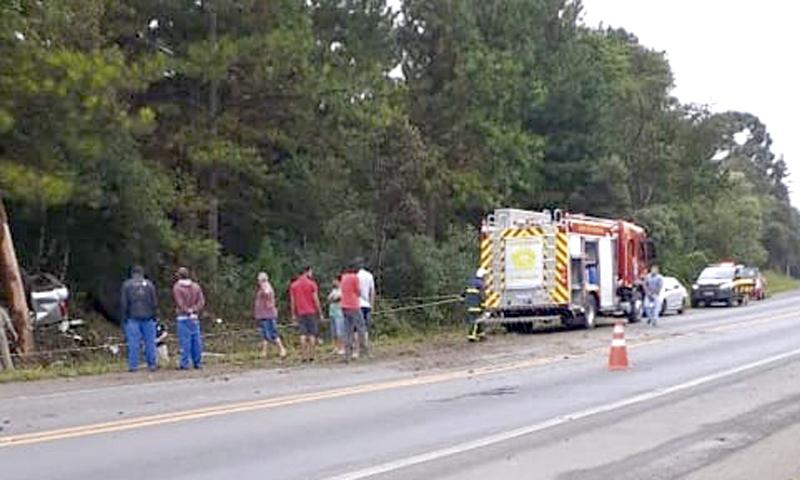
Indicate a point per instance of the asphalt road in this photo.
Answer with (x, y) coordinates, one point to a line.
(711, 394)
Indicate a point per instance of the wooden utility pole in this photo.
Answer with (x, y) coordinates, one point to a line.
(11, 286)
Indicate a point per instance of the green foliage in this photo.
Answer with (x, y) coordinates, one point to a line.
(129, 130)
(780, 283)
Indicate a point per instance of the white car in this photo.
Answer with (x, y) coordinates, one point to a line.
(673, 296)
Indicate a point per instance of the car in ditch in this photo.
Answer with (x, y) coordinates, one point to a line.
(48, 301)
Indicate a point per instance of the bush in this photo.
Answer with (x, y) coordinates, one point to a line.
(419, 270)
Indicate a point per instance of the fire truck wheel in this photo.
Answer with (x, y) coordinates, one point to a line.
(590, 312)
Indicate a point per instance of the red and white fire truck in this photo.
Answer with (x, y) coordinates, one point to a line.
(556, 268)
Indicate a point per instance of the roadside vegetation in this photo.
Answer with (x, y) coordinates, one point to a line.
(780, 283)
(234, 137)
(228, 351)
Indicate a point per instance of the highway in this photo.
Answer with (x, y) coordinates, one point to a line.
(711, 394)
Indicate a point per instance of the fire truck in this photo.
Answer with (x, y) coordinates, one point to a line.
(552, 268)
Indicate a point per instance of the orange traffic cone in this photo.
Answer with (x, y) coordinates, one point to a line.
(618, 356)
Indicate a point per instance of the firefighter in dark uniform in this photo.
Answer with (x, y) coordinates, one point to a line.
(473, 301)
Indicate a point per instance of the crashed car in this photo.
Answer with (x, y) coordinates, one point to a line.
(48, 300)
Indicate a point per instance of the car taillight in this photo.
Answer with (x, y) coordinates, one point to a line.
(64, 309)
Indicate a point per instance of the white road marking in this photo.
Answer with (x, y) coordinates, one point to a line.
(556, 421)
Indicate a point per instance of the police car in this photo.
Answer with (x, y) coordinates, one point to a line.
(722, 283)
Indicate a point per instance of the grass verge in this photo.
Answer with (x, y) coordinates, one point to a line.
(235, 353)
(779, 283)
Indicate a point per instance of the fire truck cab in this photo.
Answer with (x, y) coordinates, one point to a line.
(559, 269)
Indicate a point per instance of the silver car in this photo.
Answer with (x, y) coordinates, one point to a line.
(48, 300)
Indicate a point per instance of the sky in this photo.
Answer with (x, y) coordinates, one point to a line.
(725, 54)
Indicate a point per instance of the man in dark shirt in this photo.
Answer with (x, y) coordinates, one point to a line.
(139, 304)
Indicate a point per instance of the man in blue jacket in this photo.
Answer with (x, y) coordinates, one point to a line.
(139, 304)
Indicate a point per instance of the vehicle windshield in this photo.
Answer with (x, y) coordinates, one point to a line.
(718, 273)
(748, 273)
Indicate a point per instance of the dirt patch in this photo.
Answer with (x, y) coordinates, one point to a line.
(441, 351)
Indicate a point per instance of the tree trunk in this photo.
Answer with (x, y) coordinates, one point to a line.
(13, 290)
(213, 107)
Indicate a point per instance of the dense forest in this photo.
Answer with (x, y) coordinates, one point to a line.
(239, 135)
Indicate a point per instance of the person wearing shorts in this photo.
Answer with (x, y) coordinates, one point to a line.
(266, 314)
(354, 319)
(306, 310)
(308, 325)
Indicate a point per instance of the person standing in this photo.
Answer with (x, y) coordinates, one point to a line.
(473, 301)
(139, 304)
(189, 302)
(653, 284)
(336, 316)
(306, 311)
(353, 316)
(266, 314)
(366, 284)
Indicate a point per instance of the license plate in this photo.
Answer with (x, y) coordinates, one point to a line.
(708, 294)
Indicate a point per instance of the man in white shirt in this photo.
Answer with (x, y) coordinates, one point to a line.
(366, 284)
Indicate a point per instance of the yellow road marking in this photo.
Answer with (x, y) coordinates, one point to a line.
(206, 412)
(297, 399)
(751, 323)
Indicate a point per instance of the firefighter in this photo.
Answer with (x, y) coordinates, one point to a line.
(473, 300)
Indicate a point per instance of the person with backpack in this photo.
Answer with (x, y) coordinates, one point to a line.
(139, 303)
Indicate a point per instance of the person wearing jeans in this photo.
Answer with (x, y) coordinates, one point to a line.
(653, 284)
(189, 302)
(139, 303)
(138, 331)
(189, 341)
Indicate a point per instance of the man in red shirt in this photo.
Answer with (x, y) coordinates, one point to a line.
(306, 309)
(353, 318)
